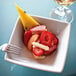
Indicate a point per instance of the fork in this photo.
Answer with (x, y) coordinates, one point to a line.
(11, 48)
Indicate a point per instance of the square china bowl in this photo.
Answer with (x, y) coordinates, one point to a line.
(52, 63)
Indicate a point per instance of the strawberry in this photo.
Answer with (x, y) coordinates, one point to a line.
(39, 57)
(53, 48)
(27, 36)
(38, 51)
(56, 41)
(38, 29)
(46, 38)
(33, 38)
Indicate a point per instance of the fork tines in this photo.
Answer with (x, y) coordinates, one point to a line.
(14, 49)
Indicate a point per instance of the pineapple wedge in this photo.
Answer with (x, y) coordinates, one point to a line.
(26, 19)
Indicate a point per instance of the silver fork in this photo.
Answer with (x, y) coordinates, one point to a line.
(11, 48)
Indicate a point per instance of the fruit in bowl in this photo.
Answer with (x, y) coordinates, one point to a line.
(37, 38)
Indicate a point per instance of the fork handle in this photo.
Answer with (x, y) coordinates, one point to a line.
(4, 47)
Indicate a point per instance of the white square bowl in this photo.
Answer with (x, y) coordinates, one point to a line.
(53, 63)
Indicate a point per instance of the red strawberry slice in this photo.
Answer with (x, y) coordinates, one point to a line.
(53, 48)
(56, 41)
(38, 57)
(27, 36)
(38, 29)
(38, 51)
(46, 38)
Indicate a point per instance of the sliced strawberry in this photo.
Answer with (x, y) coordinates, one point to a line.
(39, 57)
(27, 36)
(56, 41)
(53, 48)
(46, 38)
(33, 38)
(38, 51)
(38, 29)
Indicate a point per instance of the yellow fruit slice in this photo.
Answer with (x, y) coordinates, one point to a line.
(26, 19)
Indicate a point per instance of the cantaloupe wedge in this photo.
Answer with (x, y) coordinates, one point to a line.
(26, 19)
